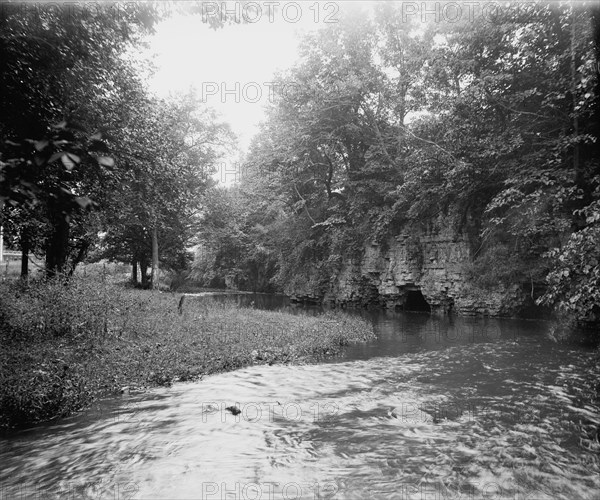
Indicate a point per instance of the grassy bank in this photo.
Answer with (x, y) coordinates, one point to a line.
(63, 346)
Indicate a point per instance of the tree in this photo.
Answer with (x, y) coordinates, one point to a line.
(488, 124)
(167, 151)
(58, 65)
(238, 240)
(574, 278)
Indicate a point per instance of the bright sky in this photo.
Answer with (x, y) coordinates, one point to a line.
(231, 68)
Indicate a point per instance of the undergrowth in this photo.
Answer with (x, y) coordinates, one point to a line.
(63, 344)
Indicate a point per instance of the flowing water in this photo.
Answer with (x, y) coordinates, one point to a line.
(436, 408)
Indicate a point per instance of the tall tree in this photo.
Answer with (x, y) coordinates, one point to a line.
(167, 151)
(57, 65)
(489, 124)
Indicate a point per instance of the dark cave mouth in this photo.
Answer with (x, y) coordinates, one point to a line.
(414, 301)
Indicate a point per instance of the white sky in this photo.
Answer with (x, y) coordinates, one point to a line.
(229, 66)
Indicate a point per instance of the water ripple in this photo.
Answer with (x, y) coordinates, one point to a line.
(499, 419)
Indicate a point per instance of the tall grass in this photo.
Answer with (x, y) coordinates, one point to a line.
(65, 343)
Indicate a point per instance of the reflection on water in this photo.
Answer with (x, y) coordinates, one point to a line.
(434, 408)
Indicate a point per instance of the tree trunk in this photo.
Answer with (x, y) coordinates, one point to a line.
(134, 272)
(84, 246)
(24, 255)
(154, 278)
(144, 271)
(58, 247)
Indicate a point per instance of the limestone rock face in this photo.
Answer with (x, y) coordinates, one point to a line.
(432, 265)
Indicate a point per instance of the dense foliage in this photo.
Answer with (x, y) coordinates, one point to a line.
(92, 164)
(489, 124)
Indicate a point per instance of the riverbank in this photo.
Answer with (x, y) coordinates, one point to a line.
(64, 346)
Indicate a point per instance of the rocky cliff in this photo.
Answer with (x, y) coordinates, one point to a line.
(426, 272)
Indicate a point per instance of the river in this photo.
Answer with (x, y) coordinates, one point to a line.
(434, 408)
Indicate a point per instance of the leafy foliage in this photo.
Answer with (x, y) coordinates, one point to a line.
(574, 281)
(86, 150)
(488, 125)
(61, 69)
(167, 152)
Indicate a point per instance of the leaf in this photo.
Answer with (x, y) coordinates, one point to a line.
(106, 161)
(60, 126)
(39, 160)
(70, 161)
(40, 145)
(84, 201)
(11, 143)
(74, 157)
(96, 136)
(56, 156)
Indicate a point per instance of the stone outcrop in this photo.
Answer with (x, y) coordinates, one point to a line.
(407, 270)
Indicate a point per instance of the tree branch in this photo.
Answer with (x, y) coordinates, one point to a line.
(305, 207)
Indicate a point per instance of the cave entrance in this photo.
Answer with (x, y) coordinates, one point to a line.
(415, 301)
